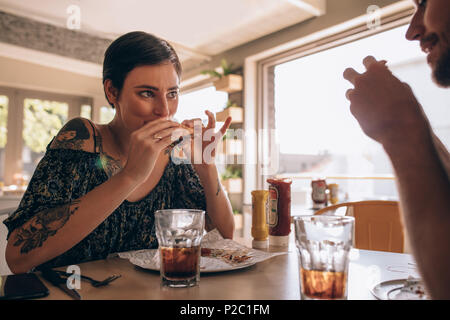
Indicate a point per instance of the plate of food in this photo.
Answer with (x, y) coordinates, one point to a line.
(217, 255)
(400, 289)
(211, 260)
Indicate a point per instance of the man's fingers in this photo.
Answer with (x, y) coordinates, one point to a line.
(350, 74)
(349, 94)
(368, 61)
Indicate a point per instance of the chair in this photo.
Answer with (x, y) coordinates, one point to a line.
(378, 224)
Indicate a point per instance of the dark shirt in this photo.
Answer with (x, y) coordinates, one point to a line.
(64, 175)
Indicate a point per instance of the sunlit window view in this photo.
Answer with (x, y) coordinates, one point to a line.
(318, 136)
(86, 111)
(106, 114)
(193, 104)
(3, 131)
(42, 121)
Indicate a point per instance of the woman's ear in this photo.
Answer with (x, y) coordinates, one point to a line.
(111, 92)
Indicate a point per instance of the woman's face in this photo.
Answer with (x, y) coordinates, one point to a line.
(149, 92)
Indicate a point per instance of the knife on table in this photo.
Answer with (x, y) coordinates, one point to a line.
(55, 279)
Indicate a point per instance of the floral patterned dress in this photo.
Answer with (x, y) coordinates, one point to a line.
(64, 175)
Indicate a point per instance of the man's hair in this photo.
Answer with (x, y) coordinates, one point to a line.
(135, 49)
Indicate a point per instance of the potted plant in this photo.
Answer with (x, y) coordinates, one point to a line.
(232, 179)
(227, 81)
(232, 110)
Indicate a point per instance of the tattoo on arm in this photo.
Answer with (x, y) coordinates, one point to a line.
(218, 187)
(72, 135)
(44, 225)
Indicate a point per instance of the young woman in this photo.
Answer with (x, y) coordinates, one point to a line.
(97, 188)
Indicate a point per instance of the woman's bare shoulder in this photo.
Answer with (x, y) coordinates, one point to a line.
(77, 134)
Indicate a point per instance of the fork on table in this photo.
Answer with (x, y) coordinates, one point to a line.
(94, 283)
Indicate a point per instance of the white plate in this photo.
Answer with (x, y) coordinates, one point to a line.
(149, 259)
(205, 266)
(391, 290)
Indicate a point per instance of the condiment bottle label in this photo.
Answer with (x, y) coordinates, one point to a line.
(273, 207)
(319, 188)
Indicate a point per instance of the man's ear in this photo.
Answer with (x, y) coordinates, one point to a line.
(111, 92)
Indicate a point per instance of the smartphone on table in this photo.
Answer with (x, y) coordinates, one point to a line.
(22, 286)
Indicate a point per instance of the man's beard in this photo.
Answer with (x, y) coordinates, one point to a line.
(441, 73)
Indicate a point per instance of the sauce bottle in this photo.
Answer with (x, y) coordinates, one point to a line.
(318, 194)
(279, 211)
(333, 195)
(260, 229)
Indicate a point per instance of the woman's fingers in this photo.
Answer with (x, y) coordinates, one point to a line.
(153, 127)
(225, 126)
(191, 122)
(174, 132)
(211, 120)
(166, 141)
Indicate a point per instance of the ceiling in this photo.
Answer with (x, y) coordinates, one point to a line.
(198, 29)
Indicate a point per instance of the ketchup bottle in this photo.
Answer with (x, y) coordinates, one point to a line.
(279, 211)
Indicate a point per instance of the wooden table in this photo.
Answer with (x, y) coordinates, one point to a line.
(274, 279)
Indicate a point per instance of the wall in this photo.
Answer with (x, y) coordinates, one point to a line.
(338, 11)
(20, 74)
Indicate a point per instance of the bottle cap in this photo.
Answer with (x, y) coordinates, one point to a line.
(279, 241)
(260, 244)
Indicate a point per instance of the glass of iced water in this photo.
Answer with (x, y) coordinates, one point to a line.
(323, 245)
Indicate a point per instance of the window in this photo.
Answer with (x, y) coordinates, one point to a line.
(86, 111)
(107, 113)
(318, 136)
(28, 122)
(42, 121)
(3, 131)
(193, 104)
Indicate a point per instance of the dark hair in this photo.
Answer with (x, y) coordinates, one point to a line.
(135, 49)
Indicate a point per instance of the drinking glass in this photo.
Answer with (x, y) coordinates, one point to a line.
(179, 233)
(323, 245)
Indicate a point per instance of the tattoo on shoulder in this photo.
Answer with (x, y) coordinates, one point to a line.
(45, 224)
(72, 136)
